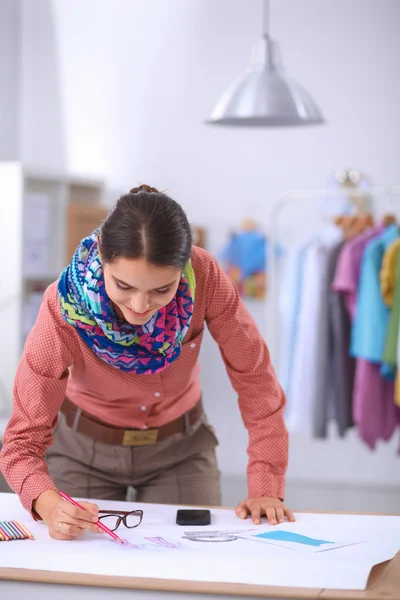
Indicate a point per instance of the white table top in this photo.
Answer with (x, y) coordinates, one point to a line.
(89, 562)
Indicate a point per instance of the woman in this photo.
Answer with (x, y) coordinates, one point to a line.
(107, 391)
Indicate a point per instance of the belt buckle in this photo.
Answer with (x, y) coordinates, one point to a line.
(139, 437)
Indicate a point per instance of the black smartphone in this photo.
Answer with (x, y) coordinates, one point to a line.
(193, 517)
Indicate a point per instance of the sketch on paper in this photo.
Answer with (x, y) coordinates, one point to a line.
(289, 536)
(284, 536)
(211, 536)
(165, 543)
(290, 540)
(155, 543)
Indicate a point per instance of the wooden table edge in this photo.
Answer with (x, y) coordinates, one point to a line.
(378, 575)
(167, 585)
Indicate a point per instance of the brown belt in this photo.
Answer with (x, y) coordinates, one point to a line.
(102, 432)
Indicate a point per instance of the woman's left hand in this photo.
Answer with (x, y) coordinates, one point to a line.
(272, 508)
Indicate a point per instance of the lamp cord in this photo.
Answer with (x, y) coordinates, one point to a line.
(266, 18)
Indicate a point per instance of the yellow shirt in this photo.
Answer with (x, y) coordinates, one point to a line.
(388, 272)
(397, 390)
(388, 283)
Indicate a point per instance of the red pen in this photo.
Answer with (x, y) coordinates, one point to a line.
(99, 523)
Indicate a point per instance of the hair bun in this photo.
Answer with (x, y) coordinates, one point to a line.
(144, 188)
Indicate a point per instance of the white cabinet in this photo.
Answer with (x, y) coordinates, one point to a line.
(36, 237)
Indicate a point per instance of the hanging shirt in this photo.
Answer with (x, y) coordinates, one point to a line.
(289, 307)
(373, 395)
(373, 404)
(309, 358)
(397, 381)
(374, 410)
(397, 390)
(348, 267)
(388, 273)
(371, 315)
(388, 349)
(336, 402)
(390, 289)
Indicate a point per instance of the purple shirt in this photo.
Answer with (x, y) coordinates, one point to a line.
(375, 414)
(374, 411)
(348, 267)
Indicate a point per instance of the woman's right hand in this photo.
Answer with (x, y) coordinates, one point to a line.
(64, 520)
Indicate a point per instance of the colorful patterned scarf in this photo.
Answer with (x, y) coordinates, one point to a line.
(142, 349)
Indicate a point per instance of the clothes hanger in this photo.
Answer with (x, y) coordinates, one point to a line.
(249, 225)
(389, 219)
(354, 224)
(344, 222)
(360, 224)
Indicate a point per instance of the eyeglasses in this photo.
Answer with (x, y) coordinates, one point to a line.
(113, 518)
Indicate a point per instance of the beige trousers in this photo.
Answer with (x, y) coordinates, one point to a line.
(181, 469)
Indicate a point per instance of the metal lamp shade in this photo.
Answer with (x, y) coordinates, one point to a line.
(264, 96)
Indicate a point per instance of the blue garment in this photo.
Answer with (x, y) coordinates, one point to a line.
(371, 319)
(388, 371)
(249, 251)
(246, 251)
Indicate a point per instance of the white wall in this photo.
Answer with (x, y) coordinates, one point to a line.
(10, 280)
(139, 78)
(10, 44)
(42, 116)
(134, 82)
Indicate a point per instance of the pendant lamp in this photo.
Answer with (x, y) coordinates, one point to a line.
(264, 96)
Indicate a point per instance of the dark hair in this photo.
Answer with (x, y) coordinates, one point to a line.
(146, 224)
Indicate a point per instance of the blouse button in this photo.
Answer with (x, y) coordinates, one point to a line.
(193, 345)
(157, 394)
(143, 408)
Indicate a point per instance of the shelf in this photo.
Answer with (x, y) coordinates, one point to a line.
(51, 175)
(41, 278)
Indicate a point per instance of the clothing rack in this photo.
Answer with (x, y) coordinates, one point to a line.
(376, 199)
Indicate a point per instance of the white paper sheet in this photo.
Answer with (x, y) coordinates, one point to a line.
(168, 551)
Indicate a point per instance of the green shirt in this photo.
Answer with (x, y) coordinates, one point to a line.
(390, 350)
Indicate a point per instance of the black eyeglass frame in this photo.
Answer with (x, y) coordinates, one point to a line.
(122, 517)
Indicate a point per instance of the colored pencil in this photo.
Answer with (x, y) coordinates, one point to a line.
(9, 531)
(13, 530)
(98, 523)
(24, 530)
(4, 533)
(21, 531)
(11, 526)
